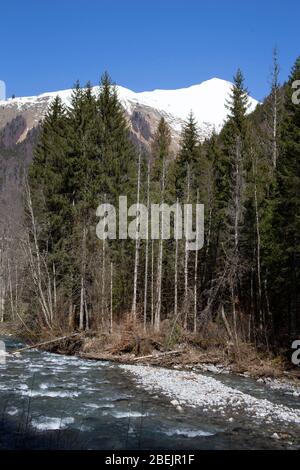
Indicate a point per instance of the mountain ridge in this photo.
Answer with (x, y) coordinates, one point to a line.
(207, 101)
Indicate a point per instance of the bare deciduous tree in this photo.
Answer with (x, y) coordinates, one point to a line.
(137, 242)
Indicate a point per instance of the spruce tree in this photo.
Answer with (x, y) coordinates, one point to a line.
(237, 105)
(117, 160)
(116, 151)
(284, 237)
(233, 177)
(162, 191)
(160, 149)
(47, 181)
(188, 156)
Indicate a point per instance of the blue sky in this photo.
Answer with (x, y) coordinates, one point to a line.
(48, 45)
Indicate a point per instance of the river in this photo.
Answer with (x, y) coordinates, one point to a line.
(49, 401)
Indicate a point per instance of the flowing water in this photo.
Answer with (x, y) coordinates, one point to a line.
(49, 401)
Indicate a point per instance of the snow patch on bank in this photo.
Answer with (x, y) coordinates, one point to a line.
(192, 389)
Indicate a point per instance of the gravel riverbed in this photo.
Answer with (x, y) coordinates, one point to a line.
(197, 390)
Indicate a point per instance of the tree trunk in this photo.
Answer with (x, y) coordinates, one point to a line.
(137, 243)
(35, 260)
(176, 268)
(186, 259)
(111, 297)
(275, 88)
(195, 282)
(147, 249)
(81, 309)
(103, 297)
(152, 282)
(226, 323)
(82, 281)
(160, 259)
(54, 288)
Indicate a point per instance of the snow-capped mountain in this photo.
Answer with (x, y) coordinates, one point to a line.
(206, 100)
(20, 118)
(144, 109)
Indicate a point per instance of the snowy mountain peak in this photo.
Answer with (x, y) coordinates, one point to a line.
(206, 100)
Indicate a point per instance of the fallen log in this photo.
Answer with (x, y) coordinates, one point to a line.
(292, 374)
(158, 355)
(44, 343)
(126, 358)
(122, 359)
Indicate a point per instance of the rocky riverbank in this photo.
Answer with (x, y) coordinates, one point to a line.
(265, 368)
(211, 395)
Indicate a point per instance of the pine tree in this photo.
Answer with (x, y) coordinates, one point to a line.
(160, 149)
(84, 152)
(117, 160)
(275, 107)
(160, 186)
(188, 155)
(284, 237)
(237, 106)
(235, 165)
(47, 181)
(235, 150)
(82, 182)
(116, 151)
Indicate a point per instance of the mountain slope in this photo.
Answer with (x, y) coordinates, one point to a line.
(206, 100)
(144, 109)
(20, 118)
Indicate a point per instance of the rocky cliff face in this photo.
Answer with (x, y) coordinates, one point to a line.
(142, 119)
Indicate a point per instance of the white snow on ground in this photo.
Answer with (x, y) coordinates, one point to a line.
(211, 395)
(207, 100)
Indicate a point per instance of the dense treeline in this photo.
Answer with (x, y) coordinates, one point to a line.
(243, 282)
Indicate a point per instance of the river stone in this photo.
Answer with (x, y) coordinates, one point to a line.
(174, 402)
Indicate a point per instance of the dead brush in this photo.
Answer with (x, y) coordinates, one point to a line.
(132, 338)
